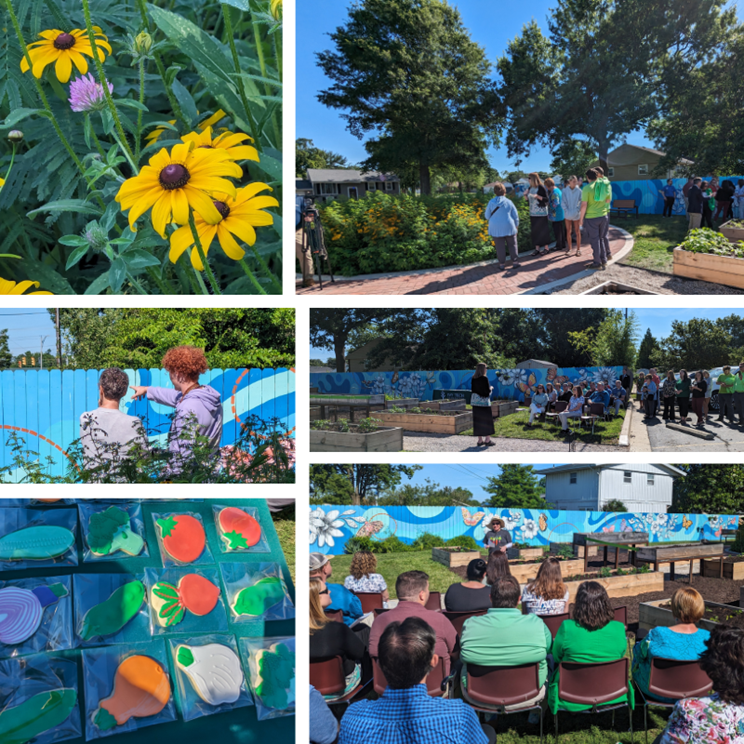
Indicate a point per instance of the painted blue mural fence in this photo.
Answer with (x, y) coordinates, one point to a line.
(331, 526)
(44, 406)
(508, 384)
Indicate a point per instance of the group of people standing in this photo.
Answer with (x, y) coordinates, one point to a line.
(556, 215)
(707, 201)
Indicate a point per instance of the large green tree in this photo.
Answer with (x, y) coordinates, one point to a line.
(139, 337)
(613, 342)
(307, 155)
(599, 72)
(516, 487)
(695, 344)
(709, 489)
(332, 328)
(648, 346)
(407, 72)
(429, 494)
(555, 325)
(355, 484)
(6, 358)
(572, 157)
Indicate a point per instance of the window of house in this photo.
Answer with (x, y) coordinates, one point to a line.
(389, 185)
(643, 169)
(572, 478)
(610, 172)
(627, 476)
(328, 188)
(649, 479)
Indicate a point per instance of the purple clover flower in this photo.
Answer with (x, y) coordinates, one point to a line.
(87, 95)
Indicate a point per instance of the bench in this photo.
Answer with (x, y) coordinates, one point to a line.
(624, 207)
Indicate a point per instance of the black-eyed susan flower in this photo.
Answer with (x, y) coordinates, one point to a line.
(8, 287)
(64, 49)
(154, 136)
(175, 182)
(156, 133)
(238, 216)
(2, 182)
(228, 141)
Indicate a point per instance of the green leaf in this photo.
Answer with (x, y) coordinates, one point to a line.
(171, 74)
(139, 259)
(14, 117)
(67, 205)
(117, 274)
(185, 99)
(50, 280)
(239, 4)
(270, 164)
(76, 255)
(62, 21)
(99, 284)
(87, 129)
(74, 241)
(131, 103)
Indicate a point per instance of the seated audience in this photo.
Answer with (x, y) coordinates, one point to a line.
(406, 713)
(601, 395)
(539, 404)
(498, 567)
(412, 590)
(565, 392)
(593, 635)
(363, 577)
(470, 595)
(619, 397)
(717, 718)
(504, 636)
(683, 641)
(323, 724)
(341, 598)
(329, 638)
(574, 409)
(547, 594)
(552, 396)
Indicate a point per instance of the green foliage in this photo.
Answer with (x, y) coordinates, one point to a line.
(355, 484)
(462, 541)
(6, 358)
(738, 544)
(573, 157)
(408, 72)
(705, 240)
(614, 342)
(614, 505)
(369, 424)
(332, 328)
(360, 543)
(645, 351)
(566, 552)
(696, 344)
(709, 489)
(57, 209)
(390, 544)
(605, 572)
(139, 337)
(516, 487)
(309, 156)
(427, 541)
(429, 494)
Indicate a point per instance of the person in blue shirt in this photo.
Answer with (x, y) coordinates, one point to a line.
(556, 215)
(406, 713)
(648, 395)
(670, 194)
(323, 724)
(601, 395)
(503, 225)
(341, 598)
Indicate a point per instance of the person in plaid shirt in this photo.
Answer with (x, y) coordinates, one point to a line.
(406, 714)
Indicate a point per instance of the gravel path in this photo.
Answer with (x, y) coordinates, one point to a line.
(415, 442)
(652, 281)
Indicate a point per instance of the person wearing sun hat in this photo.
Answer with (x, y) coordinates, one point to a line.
(341, 598)
(497, 537)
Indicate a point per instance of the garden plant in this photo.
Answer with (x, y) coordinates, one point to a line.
(140, 146)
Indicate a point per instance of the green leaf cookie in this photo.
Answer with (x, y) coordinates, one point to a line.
(256, 599)
(275, 675)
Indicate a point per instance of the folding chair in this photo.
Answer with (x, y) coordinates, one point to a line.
(434, 681)
(594, 684)
(621, 615)
(458, 618)
(674, 679)
(554, 622)
(493, 689)
(335, 615)
(370, 601)
(558, 407)
(327, 677)
(434, 602)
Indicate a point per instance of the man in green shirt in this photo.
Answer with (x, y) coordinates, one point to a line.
(595, 206)
(739, 393)
(726, 395)
(504, 636)
(606, 191)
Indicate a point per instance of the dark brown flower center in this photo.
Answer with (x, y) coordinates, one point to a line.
(222, 208)
(206, 147)
(64, 41)
(174, 176)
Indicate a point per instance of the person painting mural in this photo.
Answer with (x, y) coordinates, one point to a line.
(497, 538)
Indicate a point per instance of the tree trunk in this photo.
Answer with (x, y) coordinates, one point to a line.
(424, 179)
(339, 346)
(603, 154)
(356, 499)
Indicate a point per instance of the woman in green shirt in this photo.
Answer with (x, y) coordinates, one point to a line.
(592, 636)
(683, 394)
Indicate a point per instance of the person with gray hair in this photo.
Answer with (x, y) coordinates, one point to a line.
(107, 433)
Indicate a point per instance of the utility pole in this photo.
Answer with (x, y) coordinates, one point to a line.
(59, 340)
(41, 355)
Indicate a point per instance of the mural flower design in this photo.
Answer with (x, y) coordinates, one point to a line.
(506, 377)
(512, 520)
(608, 375)
(378, 385)
(521, 376)
(324, 527)
(582, 376)
(529, 529)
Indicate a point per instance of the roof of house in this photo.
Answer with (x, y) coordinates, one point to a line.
(527, 363)
(574, 468)
(338, 175)
(649, 150)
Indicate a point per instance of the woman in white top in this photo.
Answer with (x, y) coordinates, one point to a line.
(363, 577)
(539, 224)
(547, 594)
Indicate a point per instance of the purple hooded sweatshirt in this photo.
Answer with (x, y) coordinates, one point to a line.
(203, 403)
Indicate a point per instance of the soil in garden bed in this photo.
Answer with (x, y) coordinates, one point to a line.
(431, 412)
(352, 429)
(717, 615)
(628, 571)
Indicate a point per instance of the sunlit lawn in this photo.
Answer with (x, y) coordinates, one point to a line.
(655, 239)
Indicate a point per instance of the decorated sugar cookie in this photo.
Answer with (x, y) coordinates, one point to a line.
(193, 593)
(183, 537)
(256, 599)
(42, 712)
(36, 543)
(141, 689)
(275, 678)
(239, 529)
(214, 671)
(21, 610)
(109, 531)
(111, 616)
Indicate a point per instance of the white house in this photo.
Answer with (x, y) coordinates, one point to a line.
(641, 487)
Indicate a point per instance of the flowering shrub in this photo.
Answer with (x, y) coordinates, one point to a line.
(140, 146)
(400, 233)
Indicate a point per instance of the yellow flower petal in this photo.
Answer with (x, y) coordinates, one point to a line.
(231, 248)
(203, 205)
(40, 59)
(79, 61)
(206, 235)
(212, 120)
(241, 228)
(143, 202)
(181, 240)
(63, 68)
(161, 213)
(180, 207)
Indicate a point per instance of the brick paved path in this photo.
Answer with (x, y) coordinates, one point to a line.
(476, 279)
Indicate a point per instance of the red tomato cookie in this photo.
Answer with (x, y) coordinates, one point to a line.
(183, 537)
(239, 529)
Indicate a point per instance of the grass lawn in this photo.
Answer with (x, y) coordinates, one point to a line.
(514, 426)
(655, 239)
(285, 525)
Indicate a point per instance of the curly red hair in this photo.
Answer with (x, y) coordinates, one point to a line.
(187, 361)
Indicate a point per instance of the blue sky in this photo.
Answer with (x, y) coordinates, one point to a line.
(491, 24)
(472, 477)
(25, 327)
(659, 321)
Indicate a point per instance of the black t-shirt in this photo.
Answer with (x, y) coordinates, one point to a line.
(460, 598)
(336, 639)
(700, 393)
(566, 396)
(501, 538)
(626, 381)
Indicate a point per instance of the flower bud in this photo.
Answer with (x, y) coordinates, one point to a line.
(143, 43)
(15, 135)
(276, 9)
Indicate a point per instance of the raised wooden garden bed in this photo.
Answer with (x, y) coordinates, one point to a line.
(731, 233)
(629, 585)
(454, 557)
(382, 440)
(314, 413)
(402, 403)
(443, 405)
(578, 550)
(527, 554)
(503, 407)
(651, 614)
(314, 390)
(617, 288)
(524, 572)
(708, 267)
(731, 569)
(659, 555)
(435, 422)
(618, 541)
(330, 404)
